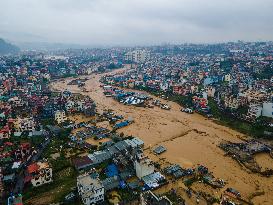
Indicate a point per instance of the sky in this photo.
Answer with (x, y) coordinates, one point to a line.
(136, 22)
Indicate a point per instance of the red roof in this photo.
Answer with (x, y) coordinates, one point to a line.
(32, 168)
(25, 145)
(8, 143)
(82, 161)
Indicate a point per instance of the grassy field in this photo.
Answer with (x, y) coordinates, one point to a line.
(63, 182)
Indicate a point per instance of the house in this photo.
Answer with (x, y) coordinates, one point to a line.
(254, 111)
(111, 183)
(39, 173)
(23, 151)
(69, 106)
(24, 124)
(5, 132)
(231, 102)
(90, 189)
(60, 116)
(82, 163)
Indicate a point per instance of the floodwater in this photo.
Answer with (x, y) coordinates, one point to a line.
(190, 139)
(264, 160)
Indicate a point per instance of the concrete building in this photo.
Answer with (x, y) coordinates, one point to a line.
(24, 124)
(267, 110)
(254, 111)
(60, 116)
(91, 190)
(137, 56)
(149, 198)
(227, 77)
(143, 165)
(39, 173)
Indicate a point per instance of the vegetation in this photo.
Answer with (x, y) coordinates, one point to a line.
(265, 73)
(63, 182)
(255, 129)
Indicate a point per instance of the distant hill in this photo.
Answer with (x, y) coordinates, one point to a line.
(7, 48)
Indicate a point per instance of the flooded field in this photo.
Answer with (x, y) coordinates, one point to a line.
(189, 139)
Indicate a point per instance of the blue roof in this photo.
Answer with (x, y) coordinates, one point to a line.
(121, 124)
(111, 170)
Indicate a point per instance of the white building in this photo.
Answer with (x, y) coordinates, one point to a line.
(267, 109)
(69, 105)
(137, 56)
(227, 77)
(143, 166)
(254, 111)
(41, 173)
(60, 116)
(91, 190)
(25, 124)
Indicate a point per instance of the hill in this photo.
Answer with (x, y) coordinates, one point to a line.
(7, 48)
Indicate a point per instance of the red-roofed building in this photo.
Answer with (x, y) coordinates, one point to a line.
(5, 132)
(39, 173)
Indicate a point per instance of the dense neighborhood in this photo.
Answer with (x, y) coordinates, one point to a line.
(56, 147)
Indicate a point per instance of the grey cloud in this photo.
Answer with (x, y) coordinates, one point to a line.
(125, 22)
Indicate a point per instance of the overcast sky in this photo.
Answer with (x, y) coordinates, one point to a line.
(136, 22)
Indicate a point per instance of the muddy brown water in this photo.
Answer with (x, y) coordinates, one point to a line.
(189, 139)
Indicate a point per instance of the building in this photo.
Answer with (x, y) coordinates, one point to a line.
(267, 110)
(91, 189)
(60, 116)
(143, 165)
(254, 111)
(137, 56)
(228, 77)
(24, 124)
(231, 102)
(39, 173)
(149, 198)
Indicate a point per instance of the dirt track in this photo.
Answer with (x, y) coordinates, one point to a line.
(189, 139)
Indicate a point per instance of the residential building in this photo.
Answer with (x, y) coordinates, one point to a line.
(149, 198)
(60, 116)
(254, 111)
(90, 189)
(143, 165)
(228, 77)
(267, 110)
(24, 124)
(137, 56)
(39, 173)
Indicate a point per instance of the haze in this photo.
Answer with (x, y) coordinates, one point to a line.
(135, 22)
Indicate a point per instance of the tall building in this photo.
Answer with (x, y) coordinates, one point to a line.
(267, 110)
(143, 165)
(60, 116)
(137, 56)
